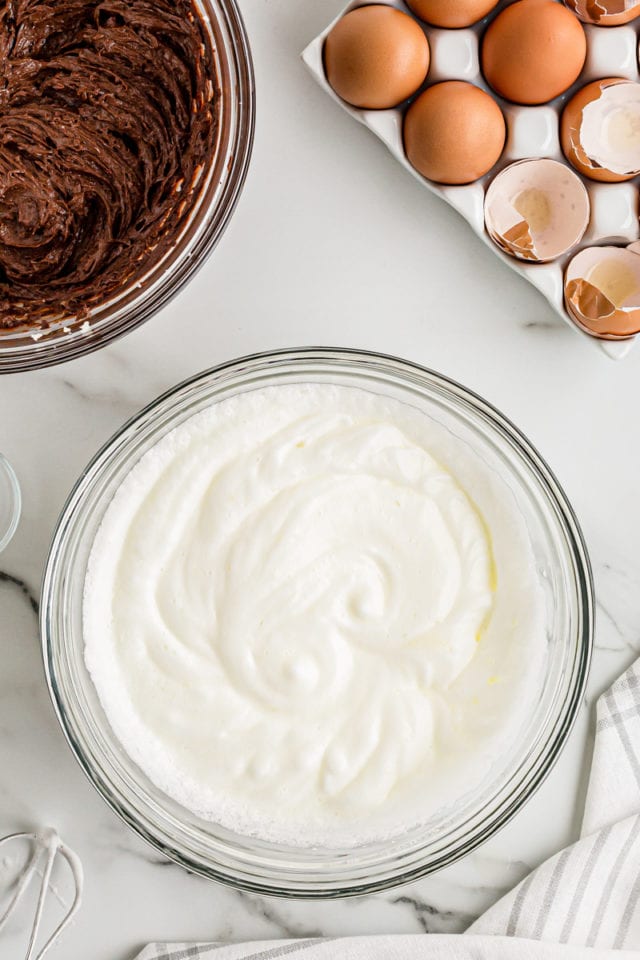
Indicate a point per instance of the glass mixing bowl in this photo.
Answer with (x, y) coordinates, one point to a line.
(28, 349)
(565, 579)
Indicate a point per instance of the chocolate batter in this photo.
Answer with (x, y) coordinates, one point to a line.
(108, 115)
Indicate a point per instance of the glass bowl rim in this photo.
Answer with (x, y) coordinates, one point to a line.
(533, 776)
(7, 470)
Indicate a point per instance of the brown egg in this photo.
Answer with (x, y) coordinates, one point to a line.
(599, 130)
(454, 132)
(376, 56)
(605, 13)
(445, 13)
(533, 51)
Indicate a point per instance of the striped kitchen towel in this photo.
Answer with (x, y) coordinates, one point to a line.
(582, 903)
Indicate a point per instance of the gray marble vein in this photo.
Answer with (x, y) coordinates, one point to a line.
(268, 910)
(22, 587)
(431, 919)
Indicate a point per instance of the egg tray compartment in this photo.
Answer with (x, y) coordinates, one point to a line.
(532, 132)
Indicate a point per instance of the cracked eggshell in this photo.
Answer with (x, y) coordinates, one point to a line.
(602, 291)
(533, 51)
(536, 210)
(605, 13)
(600, 130)
(444, 13)
(375, 57)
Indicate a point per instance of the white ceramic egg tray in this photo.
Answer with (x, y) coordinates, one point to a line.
(531, 132)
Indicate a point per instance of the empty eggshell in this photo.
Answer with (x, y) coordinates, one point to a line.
(533, 51)
(600, 130)
(376, 56)
(444, 13)
(605, 13)
(454, 132)
(602, 291)
(536, 210)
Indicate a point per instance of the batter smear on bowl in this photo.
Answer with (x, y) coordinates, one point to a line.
(108, 124)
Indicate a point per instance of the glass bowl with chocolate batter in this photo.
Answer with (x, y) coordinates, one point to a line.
(125, 135)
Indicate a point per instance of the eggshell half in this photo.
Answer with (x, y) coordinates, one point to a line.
(376, 56)
(536, 210)
(600, 130)
(602, 291)
(605, 13)
(451, 13)
(533, 51)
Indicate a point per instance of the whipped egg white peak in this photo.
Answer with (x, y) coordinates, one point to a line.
(305, 624)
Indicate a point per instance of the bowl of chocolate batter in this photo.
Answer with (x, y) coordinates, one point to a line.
(125, 135)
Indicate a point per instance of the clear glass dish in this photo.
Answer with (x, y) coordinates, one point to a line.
(22, 350)
(10, 502)
(204, 847)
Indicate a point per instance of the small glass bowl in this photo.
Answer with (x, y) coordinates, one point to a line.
(249, 863)
(29, 349)
(10, 502)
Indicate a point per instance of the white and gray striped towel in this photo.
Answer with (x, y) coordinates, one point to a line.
(582, 903)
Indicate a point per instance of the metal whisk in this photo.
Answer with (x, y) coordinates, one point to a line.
(46, 846)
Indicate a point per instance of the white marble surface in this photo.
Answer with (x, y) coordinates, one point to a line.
(333, 244)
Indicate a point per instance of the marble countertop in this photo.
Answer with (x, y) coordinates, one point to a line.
(334, 244)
